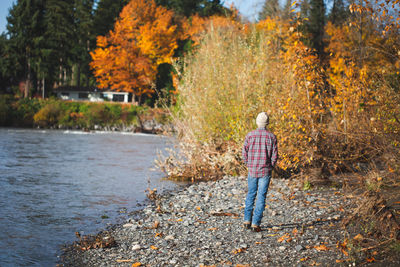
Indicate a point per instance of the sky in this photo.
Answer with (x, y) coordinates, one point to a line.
(248, 8)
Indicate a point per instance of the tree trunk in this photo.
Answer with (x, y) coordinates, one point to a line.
(43, 87)
(60, 73)
(78, 75)
(28, 80)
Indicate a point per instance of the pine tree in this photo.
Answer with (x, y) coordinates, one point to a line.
(6, 64)
(287, 10)
(84, 41)
(316, 25)
(106, 14)
(312, 14)
(59, 36)
(188, 8)
(25, 25)
(271, 9)
(339, 12)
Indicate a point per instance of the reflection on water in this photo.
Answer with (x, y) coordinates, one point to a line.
(54, 183)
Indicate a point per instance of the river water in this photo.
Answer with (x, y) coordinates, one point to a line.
(54, 183)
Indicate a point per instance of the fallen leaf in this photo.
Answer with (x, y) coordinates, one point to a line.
(159, 235)
(343, 247)
(283, 238)
(258, 243)
(314, 263)
(154, 247)
(339, 261)
(304, 259)
(201, 222)
(272, 234)
(156, 224)
(295, 231)
(212, 229)
(321, 248)
(372, 259)
(198, 208)
(239, 250)
(179, 220)
(358, 237)
(242, 265)
(136, 264)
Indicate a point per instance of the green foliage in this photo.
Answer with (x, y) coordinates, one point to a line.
(53, 113)
(23, 111)
(106, 14)
(339, 12)
(5, 110)
(189, 7)
(307, 185)
(49, 114)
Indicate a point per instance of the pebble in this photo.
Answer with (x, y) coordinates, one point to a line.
(299, 248)
(202, 224)
(136, 247)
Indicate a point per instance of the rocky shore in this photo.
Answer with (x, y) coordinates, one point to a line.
(201, 225)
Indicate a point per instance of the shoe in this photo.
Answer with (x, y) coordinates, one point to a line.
(246, 226)
(256, 229)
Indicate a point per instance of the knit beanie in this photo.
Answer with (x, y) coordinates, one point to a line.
(262, 120)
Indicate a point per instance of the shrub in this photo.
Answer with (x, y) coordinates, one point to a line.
(23, 111)
(325, 119)
(49, 115)
(5, 110)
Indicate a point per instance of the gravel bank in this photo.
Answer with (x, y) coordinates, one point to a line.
(202, 225)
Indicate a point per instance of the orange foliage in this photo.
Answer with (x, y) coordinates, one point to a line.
(197, 26)
(127, 58)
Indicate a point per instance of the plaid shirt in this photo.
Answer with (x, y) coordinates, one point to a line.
(260, 152)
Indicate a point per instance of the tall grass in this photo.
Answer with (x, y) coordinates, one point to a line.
(236, 73)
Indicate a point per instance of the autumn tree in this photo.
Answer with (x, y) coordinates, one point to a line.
(144, 37)
(270, 8)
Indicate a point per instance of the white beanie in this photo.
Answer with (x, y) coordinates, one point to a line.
(262, 120)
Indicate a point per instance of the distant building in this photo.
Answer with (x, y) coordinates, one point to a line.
(94, 94)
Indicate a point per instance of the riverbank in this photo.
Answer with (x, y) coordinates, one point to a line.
(202, 225)
(80, 115)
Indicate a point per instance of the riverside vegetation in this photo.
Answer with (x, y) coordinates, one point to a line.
(58, 114)
(331, 85)
(334, 112)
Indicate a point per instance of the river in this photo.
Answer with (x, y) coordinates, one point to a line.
(54, 183)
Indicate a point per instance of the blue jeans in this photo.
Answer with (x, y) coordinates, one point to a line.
(257, 187)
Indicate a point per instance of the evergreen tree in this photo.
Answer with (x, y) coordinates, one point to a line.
(25, 25)
(286, 12)
(5, 63)
(190, 7)
(312, 13)
(105, 15)
(339, 12)
(305, 9)
(59, 36)
(84, 41)
(271, 9)
(316, 25)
